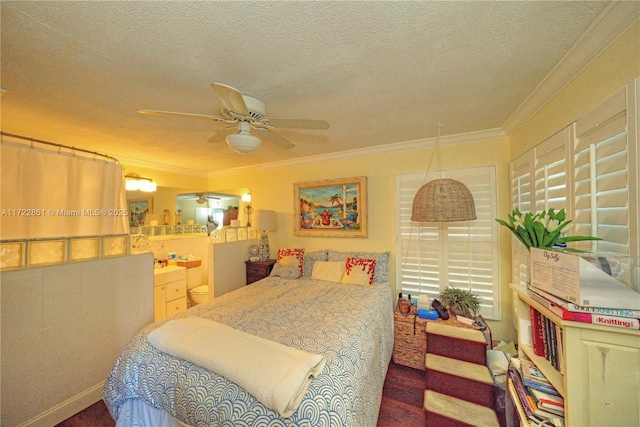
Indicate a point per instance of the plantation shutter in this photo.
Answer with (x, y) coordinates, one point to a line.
(601, 176)
(590, 168)
(550, 179)
(463, 254)
(521, 174)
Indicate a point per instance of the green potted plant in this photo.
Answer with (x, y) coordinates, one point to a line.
(460, 301)
(544, 229)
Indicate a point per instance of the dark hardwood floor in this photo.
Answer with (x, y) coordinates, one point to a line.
(402, 401)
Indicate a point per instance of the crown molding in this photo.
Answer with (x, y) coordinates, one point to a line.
(463, 138)
(127, 161)
(612, 23)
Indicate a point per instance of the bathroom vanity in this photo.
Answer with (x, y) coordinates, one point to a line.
(169, 291)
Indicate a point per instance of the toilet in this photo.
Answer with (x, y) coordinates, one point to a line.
(199, 295)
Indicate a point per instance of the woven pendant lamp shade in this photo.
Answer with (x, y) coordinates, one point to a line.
(443, 200)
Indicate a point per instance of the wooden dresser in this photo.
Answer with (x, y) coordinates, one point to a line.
(257, 270)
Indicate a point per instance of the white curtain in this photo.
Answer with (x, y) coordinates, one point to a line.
(48, 194)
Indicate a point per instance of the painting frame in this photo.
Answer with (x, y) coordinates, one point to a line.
(331, 207)
(138, 211)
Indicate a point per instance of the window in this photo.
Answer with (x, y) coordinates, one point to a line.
(590, 169)
(463, 254)
(538, 182)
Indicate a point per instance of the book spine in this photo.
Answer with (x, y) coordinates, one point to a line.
(537, 332)
(620, 322)
(547, 389)
(546, 337)
(601, 319)
(553, 345)
(560, 348)
(603, 311)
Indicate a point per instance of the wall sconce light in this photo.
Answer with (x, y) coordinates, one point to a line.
(247, 209)
(134, 182)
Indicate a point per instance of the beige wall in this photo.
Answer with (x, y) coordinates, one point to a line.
(273, 189)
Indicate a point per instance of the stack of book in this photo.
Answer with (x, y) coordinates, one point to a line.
(539, 400)
(565, 310)
(547, 339)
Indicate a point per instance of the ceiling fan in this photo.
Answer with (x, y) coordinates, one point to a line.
(200, 198)
(246, 117)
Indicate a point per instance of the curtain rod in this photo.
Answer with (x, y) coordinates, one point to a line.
(39, 141)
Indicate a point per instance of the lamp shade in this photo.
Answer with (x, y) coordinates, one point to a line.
(443, 200)
(264, 220)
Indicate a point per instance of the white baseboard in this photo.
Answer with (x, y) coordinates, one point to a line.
(69, 407)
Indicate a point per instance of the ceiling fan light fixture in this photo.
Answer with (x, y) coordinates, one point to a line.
(243, 142)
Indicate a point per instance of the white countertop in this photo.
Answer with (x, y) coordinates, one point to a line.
(167, 269)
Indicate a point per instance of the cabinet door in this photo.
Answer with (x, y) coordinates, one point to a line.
(612, 384)
(176, 290)
(176, 306)
(159, 303)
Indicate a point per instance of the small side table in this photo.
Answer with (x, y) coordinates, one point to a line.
(257, 270)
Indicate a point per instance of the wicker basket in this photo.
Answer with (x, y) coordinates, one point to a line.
(410, 342)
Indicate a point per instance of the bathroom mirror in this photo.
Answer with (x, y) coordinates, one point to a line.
(195, 205)
(213, 209)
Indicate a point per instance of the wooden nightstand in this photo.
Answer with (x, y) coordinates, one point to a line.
(257, 270)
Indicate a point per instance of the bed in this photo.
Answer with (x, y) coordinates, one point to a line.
(351, 326)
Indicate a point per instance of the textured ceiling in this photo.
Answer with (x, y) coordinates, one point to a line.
(379, 72)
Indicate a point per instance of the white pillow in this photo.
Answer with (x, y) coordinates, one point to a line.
(330, 271)
(356, 277)
(285, 271)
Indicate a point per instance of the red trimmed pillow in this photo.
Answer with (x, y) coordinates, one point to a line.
(286, 255)
(364, 265)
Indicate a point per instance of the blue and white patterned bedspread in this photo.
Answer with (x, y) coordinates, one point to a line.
(351, 325)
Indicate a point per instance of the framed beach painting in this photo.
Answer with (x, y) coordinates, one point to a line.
(331, 207)
(138, 210)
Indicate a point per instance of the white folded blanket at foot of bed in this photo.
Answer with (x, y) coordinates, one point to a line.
(276, 375)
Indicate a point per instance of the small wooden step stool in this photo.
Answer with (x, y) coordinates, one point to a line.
(465, 344)
(446, 411)
(459, 386)
(457, 378)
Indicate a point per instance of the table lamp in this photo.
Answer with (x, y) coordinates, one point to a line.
(264, 221)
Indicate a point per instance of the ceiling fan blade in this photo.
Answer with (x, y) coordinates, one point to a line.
(299, 124)
(231, 98)
(220, 136)
(276, 139)
(174, 114)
